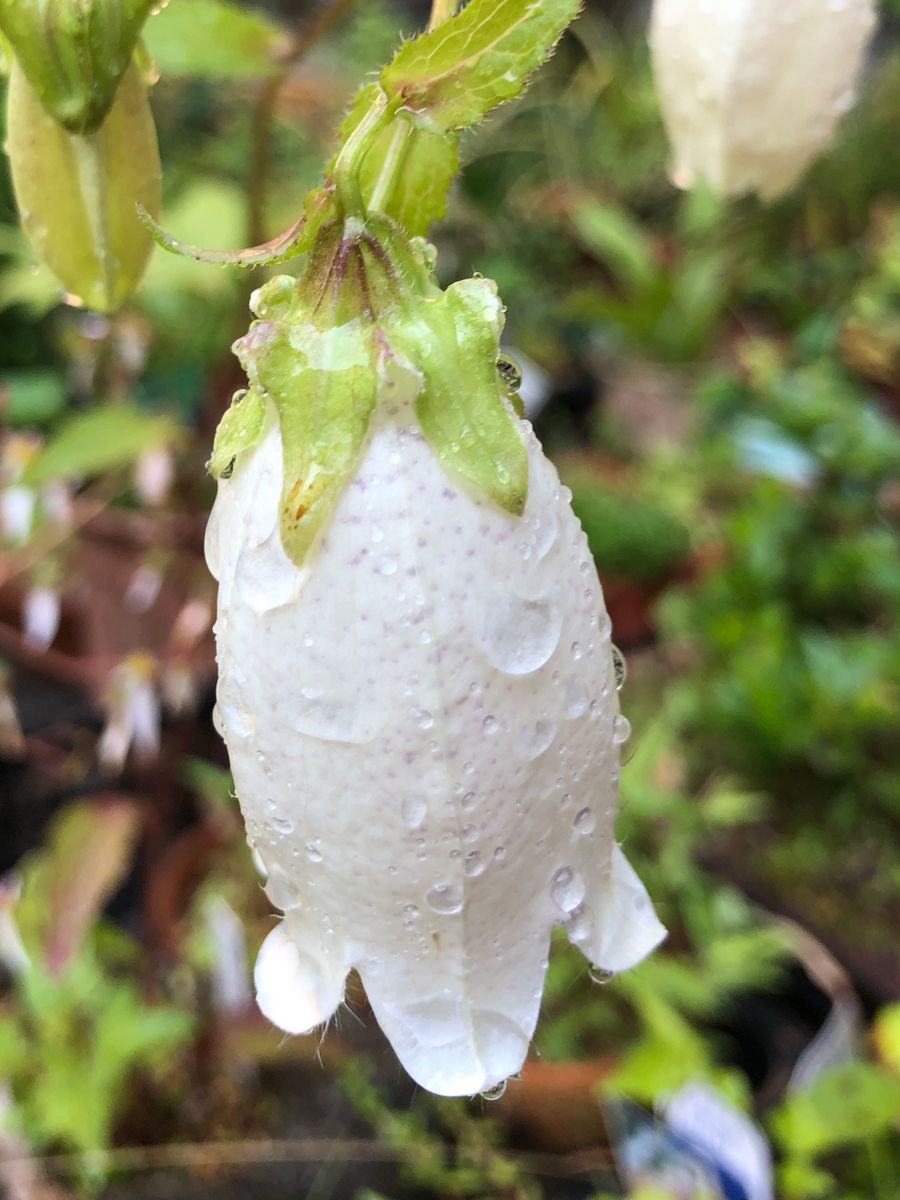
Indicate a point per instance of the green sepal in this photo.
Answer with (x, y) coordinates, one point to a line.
(454, 75)
(292, 242)
(454, 339)
(323, 384)
(408, 170)
(74, 52)
(239, 430)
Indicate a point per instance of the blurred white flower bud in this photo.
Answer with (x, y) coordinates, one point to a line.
(751, 90)
(132, 713)
(41, 610)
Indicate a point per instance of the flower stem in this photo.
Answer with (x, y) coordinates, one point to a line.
(441, 10)
(353, 153)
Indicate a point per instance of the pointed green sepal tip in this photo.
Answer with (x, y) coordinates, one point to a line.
(323, 384)
(74, 53)
(240, 429)
(464, 407)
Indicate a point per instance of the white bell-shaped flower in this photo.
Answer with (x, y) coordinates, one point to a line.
(424, 731)
(751, 90)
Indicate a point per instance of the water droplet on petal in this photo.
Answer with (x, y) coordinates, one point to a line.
(600, 975)
(490, 726)
(576, 697)
(518, 636)
(413, 809)
(576, 651)
(620, 668)
(313, 853)
(621, 730)
(536, 738)
(584, 822)
(495, 1092)
(282, 825)
(473, 865)
(445, 899)
(567, 889)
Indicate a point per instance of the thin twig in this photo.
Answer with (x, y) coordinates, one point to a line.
(264, 112)
(192, 1155)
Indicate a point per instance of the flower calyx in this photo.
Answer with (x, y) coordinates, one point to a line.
(364, 324)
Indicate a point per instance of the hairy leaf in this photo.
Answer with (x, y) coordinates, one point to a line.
(459, 71)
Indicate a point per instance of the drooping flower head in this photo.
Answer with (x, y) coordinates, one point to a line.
(416, 679)
(752, 90)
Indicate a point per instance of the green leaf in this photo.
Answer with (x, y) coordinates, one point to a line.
(31, 397)
(240, 428)
(455, 338)
(66, 883)
(845, 1104)
(323, 385)
(455, 74)
(214, 39)
(106, 437)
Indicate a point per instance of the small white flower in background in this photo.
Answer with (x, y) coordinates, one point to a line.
(416, 679)
(144, 587)
(41, 611)
(17, 501)
(752, 90)
(132, 713)
(154, 472)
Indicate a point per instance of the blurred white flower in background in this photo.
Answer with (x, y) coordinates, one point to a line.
(751, 90)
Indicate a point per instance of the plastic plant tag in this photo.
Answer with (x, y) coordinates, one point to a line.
(726, 1137)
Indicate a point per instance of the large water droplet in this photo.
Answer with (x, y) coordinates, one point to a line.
(495, 1092)
(584, 822)
(535, 739)
(474, 865)
(600, 974)
(576, 697)
(518, 636)
(621, 730)
(282, 825)
(445, 898)
(414, 810)
(567, 889)
(620, 668)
